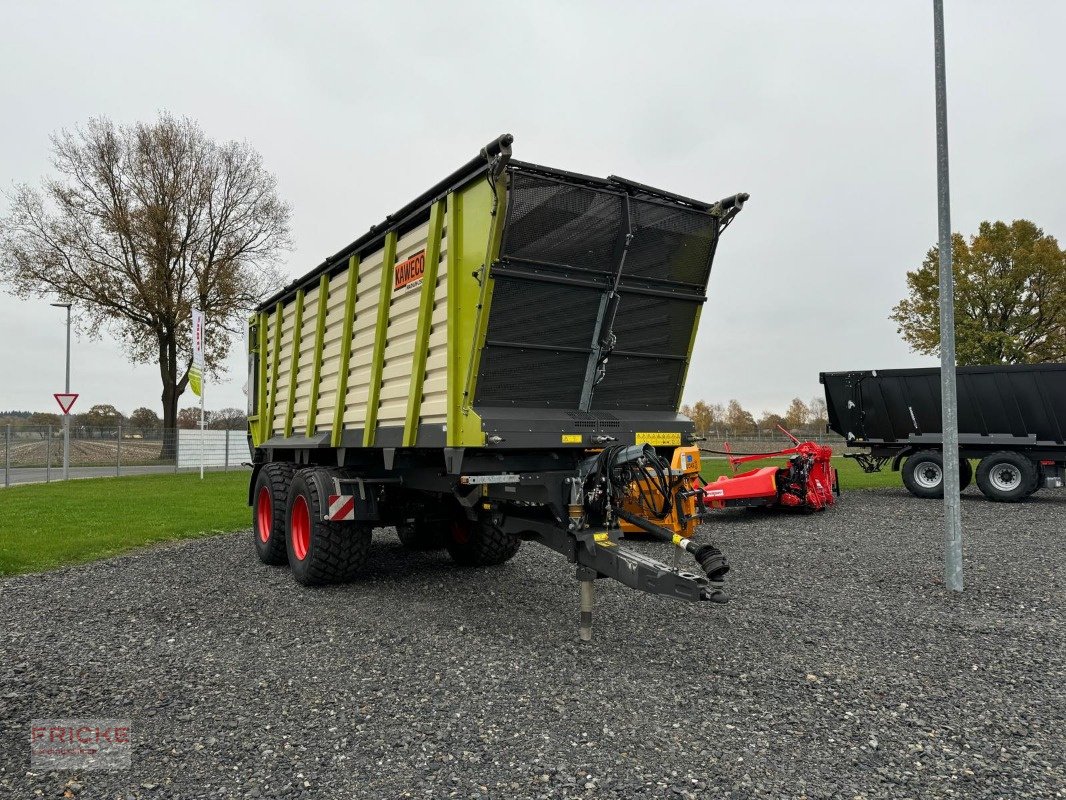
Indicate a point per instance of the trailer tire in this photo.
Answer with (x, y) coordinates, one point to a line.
(480, 544)
(923, 474)
(965, 473)
(270, 497)
(1006, 477)
(321, 552)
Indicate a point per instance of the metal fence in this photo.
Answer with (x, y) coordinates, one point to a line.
(34, 454)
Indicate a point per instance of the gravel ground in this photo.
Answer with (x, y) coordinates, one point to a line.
(841, 669)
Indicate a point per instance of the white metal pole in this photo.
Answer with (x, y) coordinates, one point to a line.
(949, 404)
(202, 382)
(66, 416)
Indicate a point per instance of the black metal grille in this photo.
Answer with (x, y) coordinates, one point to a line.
(648, 324)
(542, 313)
(634, 384)
(530, 378)
(594, 420)
(561, 223)
(540, 331)
(670, 242)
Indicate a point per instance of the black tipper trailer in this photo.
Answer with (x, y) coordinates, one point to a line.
(1012, 420)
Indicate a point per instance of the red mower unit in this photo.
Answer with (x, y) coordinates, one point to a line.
(808, 482)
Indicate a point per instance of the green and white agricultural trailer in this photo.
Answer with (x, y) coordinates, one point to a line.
(458, 370)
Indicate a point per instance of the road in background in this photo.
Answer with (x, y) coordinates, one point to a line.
(38, 475)
(34, 454)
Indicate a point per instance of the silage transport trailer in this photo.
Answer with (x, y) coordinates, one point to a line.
(501, 360)
(1011, 421)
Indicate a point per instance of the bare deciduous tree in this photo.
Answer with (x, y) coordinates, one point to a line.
(141, 224)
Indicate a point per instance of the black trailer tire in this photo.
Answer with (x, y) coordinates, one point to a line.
(965, 473)
(1006, 477)
(923, 474)
(321, 552)
(1034, 487)
(270, 497)
(480, 544)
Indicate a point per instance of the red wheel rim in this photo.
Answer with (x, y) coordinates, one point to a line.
(264, 514)
(460, 532)
(300, 529)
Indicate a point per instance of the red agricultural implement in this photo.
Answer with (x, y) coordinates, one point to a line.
(808, 482)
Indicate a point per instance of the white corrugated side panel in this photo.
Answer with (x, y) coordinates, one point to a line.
(400, 342)
(435, 386)
(307, 362)
(331, 351)
(366, 317)
(268, 372)
(281, 402)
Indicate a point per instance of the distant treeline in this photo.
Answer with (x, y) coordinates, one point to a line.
(141, 420)
(735, 419)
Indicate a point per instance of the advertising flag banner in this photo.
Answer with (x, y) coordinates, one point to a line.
(196, 372)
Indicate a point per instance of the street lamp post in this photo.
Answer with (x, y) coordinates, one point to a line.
(66, 417)
(949, 401)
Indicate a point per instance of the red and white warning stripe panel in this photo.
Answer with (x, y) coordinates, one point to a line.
(341, 508)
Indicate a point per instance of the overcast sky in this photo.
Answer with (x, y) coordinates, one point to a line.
(822, 111)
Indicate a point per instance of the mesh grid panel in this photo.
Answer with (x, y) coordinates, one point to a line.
(648, 324)
(640, 383)
(562, 223)
(544, 378)
(539, 313)
(554, 224)
(670, 242)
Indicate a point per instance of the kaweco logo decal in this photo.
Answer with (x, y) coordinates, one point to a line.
(409, 273)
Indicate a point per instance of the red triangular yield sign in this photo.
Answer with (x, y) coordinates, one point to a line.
(66, 401)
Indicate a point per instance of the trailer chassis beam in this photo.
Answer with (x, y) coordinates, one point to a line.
(599, 550)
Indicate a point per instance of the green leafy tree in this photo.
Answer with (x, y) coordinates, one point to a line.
(1010, 297)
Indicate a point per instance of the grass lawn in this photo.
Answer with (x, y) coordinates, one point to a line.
(851, 475)
(43, 526)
